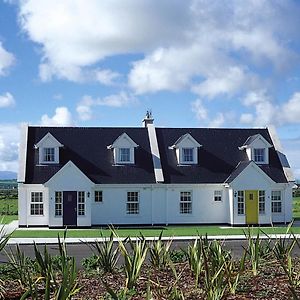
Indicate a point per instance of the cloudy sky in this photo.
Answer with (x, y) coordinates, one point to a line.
(194, 63)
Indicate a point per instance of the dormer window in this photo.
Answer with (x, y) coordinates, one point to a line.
(257, 149)
(259, 155)
(186, 150)
(187, 155)
(124, 155)
(49, 154)
(123, 150)
(48, 148)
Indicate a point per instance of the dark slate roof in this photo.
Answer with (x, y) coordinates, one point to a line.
(87, 149)
(217, 158)
(238, 170)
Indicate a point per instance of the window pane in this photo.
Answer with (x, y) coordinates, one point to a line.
(98, 196)
(218, 195)
(48, 154)
(124, 154)
(259, 155)
(241, 203)
(132, 205)
(81, 203)
(58, 203)
(187, 154)
(262, 202)
(36, 205)
(276, 202)
(185, 206)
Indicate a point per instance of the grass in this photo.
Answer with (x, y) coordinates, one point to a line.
(8, 205)
(167, 231)
(6, 219)
(296, 207)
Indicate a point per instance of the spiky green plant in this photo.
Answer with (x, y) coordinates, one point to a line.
(107, 256)
(133, 261)
(195, 259)
(159, 252)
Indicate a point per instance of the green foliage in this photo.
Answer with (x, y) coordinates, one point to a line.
(159, 252)
(91, 264)
(107, 256)
(178, 256)
(8, 205)
(134, 260)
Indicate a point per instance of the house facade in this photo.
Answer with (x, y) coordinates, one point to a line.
(82, 177)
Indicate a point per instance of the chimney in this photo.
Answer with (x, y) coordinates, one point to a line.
(148, 119)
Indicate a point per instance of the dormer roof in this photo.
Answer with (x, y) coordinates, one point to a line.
(48, 139)
(182, 139)
(118, 140)
(251, 139)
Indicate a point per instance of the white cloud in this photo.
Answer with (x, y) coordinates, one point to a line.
(9, 143)
(84, 107)
(184, 43)
(199, 110)
(6, 60)
(62, 117)
(268, 112)
(291, 149)
(7, 100)
(106, 77)
(218, 121)
(93, 30)
(290, 111)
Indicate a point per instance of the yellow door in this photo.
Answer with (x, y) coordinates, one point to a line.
(251, 207)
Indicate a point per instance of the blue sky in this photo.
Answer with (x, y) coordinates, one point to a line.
(194, 63)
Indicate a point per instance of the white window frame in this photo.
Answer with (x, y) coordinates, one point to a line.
(259, 157)
(98, 196)
(240, 203)
(186, 203)
(133, 203)
(36, 204)
(58, 206)
(81, 203)
(276, 202)
(49, 154)
(262, 202)
(218, 196)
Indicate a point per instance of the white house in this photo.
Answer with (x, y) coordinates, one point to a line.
(75, 176)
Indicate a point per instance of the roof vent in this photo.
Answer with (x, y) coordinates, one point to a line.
(148, 119)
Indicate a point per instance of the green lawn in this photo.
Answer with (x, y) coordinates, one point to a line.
(167, 231)
(296, 207)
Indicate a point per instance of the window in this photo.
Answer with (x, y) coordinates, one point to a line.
(124, 155)
(185, 202)
(48, 155)
(240, 203)
(58, 203)
(132, 206)
(261, 202)
(218, 195)
(276, 202)
(98, 196)
(259, 155)
(36, 205)
(81, 204)
(187, 155)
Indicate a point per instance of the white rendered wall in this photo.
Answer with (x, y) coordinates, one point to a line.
(24, 200)
(160, 205)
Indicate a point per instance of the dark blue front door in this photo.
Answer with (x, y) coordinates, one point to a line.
(70, 208)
